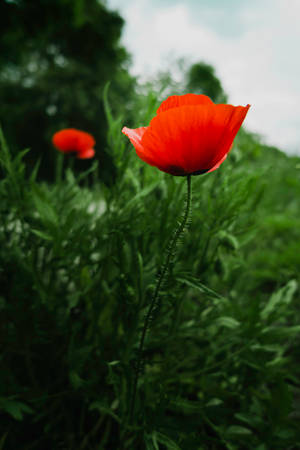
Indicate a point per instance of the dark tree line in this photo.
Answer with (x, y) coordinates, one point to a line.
(55, 58)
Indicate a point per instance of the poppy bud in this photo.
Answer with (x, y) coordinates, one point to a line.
(72, 140)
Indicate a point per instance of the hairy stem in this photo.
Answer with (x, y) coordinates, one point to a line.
(155, 297)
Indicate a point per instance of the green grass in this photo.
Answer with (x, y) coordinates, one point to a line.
(78, 266)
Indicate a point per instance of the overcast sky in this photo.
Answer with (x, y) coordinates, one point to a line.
(254, 46)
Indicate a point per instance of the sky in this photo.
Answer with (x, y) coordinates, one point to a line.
(254, 46)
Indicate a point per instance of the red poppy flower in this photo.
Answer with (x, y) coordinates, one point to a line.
(189, 134)
(72, 140)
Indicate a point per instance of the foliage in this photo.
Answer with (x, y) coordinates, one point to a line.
(56, 56)
(184, 77)
(201, 79)
(78, 266)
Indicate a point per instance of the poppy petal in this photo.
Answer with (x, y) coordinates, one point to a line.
(71, 139)
(86, 154)
(135, 136)
(174, 101)
(85, 141)
(216, 166)
(174, 136)
(192, 138)
(189, 135)
(65, 140)
(230, 118)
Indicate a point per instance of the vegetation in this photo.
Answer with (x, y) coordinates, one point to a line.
(56, 57)
(80, 256)
(78, 265)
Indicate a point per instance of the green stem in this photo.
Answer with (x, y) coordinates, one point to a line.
(59, 167)
(71, 161)
(154, 300)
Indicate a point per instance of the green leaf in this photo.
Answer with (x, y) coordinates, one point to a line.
(282, 402)
(283, 296)
(35, 171)
(227, 240)
(187, 406)
(141, 194)
(168, 442)
(196, 284)
(214, 402)
(228, 322)
(238, 431)
(107, 108)
(285, 433)
(104, 409)
(274, 348)
(42, 235)
(84, 174)
(151, 441)
(5, 157)
(76, 381)
(250, 419)
(113, 377)
(70, 176)
(45, 209)
(2, 440)
(278, 361)
(20, 156)
(14, 408)
(282, 332)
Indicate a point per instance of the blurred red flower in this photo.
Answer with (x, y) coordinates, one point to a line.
(72, 140)
(189, 134)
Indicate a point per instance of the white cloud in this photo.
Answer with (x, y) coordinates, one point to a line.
(259, 66)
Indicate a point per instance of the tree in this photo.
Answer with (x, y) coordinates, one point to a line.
(201, 79)
(55, 58)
